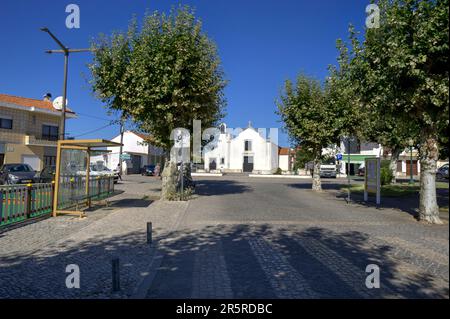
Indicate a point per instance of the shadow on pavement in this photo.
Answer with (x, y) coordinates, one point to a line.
(330, 265)
(219, 187)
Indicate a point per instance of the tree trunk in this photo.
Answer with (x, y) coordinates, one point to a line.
(395, 154)
(316, 184)
(429, 153)
(169, 181)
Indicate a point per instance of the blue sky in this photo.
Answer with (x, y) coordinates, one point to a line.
(261, 43)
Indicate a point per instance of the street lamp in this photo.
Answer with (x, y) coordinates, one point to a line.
(65, 50)
(411, 144)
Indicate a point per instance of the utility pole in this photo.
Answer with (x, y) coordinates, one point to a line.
(66, 51)
(121, 144)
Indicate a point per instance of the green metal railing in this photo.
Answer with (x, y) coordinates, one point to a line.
(72, 189)
(21, 202)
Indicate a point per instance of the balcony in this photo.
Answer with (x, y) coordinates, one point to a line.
(34, 141)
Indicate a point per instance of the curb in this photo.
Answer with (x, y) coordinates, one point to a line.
(141, 290)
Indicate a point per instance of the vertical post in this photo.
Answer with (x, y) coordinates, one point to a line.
(411, 178)
(28, 201)
(63, 115)
(115, 275)
(378, 199)
(348, 170)
(182, 170)
(88, 171)
(121, 145)
(58, 172)
(149, 233)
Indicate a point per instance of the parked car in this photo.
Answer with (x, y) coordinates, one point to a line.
(442, 172)
(106, 171)
(17, 174)
(148, 170)
(47, 175)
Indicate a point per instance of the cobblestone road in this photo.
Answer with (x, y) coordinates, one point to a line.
(248, 238)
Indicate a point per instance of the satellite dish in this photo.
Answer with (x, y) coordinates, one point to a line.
(58, 103)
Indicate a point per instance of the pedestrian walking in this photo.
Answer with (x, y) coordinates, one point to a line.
(157, 170)
(119, 171)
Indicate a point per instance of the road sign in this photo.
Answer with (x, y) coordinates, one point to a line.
(125, 156)
(339, 157)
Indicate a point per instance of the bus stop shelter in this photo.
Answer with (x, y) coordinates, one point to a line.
(74, 184)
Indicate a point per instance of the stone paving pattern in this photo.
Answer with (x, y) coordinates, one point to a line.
(280, 240)
(34, 257)
(238, 238)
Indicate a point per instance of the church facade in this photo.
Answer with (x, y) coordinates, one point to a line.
(246, 151)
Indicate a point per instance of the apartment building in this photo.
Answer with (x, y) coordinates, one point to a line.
(29, 130)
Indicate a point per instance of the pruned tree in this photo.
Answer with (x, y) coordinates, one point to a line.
(402, 80)
(309, 119)
(162, 76)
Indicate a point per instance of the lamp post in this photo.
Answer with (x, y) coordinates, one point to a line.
(65, 50)
(411, 178)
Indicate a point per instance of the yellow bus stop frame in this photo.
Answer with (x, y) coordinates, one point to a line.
(84, 145)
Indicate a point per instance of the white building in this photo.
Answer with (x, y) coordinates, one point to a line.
(286, 157)
(247, 151)
(138, 149)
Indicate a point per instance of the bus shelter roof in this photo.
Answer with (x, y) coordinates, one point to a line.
(87, 144)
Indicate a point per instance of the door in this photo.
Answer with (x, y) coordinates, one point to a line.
(212, 164)
(32, 160)
(248, 164)
(414, 167)
(136, 164)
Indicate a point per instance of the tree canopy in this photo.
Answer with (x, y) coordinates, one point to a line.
(162, 76)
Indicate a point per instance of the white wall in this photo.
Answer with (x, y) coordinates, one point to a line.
(265, 154)
(284, 162)
(131, 144)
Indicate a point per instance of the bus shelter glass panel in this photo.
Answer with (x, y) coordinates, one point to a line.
(72, 179)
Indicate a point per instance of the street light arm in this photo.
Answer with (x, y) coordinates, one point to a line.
(63, 47)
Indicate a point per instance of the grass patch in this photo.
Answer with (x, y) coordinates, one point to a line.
(394, 190)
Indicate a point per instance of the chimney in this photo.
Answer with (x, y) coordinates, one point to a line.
(48, 97)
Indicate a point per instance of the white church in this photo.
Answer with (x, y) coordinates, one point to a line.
(246, 150)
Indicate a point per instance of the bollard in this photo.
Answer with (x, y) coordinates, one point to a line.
(115, 275)
(149, 233)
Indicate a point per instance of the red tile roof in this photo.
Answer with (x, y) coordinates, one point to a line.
(27, 102)
(283, 151)
(145, 137)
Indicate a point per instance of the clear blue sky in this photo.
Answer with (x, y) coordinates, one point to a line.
(261, 44)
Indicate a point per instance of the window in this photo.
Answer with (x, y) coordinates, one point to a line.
(248, 146)
(49, 160)
(6, 123)
(50, 132)
(222, 160)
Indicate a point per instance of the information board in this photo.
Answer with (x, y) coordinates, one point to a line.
(372, 178)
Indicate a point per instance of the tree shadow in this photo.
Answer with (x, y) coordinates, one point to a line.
(130, 202)
(219, 187)
(330, 265)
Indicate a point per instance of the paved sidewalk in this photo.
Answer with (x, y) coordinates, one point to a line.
(34, 257)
